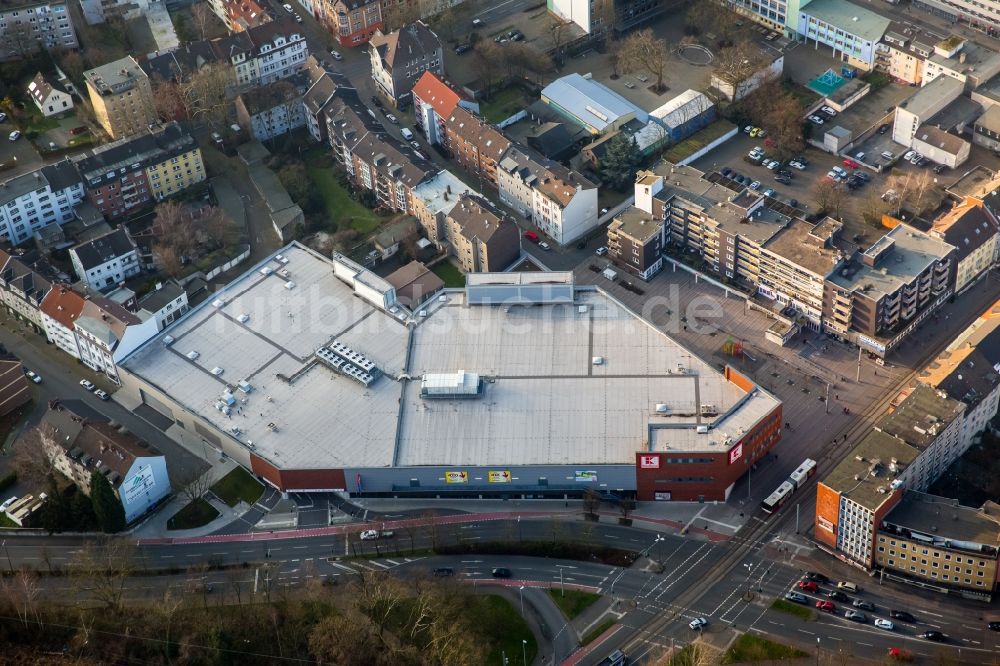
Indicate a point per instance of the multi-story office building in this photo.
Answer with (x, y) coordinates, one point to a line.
(37, 199)
(27, 26)
(129, 173)
(352, 22)
(121, 96)
(775, 14)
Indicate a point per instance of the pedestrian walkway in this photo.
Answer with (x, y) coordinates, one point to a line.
(156, 524)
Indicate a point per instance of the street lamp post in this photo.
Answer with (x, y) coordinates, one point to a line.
(817, 651)
(524, 650)
(7, 553)
(520, 592)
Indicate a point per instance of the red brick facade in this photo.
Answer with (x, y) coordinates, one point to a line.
(298, 479)
(693, 476)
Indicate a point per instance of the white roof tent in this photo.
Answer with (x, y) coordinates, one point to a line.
(461, 384)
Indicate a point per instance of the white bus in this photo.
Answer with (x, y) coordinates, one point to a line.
(803, 472)
(776, 499)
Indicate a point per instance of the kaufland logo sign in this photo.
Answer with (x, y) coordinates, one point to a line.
(649, 462)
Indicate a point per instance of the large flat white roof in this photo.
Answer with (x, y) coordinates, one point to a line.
(544, 401)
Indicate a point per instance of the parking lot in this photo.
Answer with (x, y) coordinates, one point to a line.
(17, 157)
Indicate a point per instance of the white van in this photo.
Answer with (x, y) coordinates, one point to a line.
(407, 134)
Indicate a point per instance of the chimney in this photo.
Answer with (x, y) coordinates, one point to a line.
(446, 195)
(961, 57)
(449, 189)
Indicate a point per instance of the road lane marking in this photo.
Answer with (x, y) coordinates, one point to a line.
(811, 633)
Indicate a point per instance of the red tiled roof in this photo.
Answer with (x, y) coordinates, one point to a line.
(433, 90)
(63, 304)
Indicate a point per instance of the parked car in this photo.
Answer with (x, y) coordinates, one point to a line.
(850, 587)
(515, 35)
(935, 636)
(755, 185)
(902, 616)
(808, 586)
(828, 111)
(851, 164)
(796, 597)
(773, 164)
(939, 168)
(755, 131)
(463, 48)
(501, 572)
(478, 23)
(288, 8)
(993, 626)
(882, 129)
(102, 395)
(795, 164)
(859, 155)
(726, 171)
(14, 136)
(784, 180)
(884, 624)
(826, 606)
(3, 117)
(416, 146)
(298, 19)
(601, 251)
(816, 120)
(33, 376)
(7, 503)
(923, 162)
(87, 385)
(336, 55)
(545, 246)
(441, 572)
(864, 605)
(698, 623)
(407, 134)
(769, 192)
(908, 155)
(369, 535)
(532, 236)
(392, 118)
(748, 129)
(837, 595)
(855, 616)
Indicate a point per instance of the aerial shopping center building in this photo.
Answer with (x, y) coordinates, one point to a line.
(307, 371)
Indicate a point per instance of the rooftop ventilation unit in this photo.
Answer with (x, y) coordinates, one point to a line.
(218, 302)
(244, 318)
(662, 408)
(217, 371)
(168, 340)
(244, 386)
(455, 385)
(281, 259)
(266, 271)
(289, 285)
(193, 355)
(597, 360)
(284, 273)
(702, 430)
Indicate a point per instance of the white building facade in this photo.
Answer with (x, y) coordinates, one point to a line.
(39, 198)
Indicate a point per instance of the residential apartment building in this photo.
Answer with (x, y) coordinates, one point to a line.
(24, 283)
(79, 444)
(37, 199)
(474, 144)
(124, 175)
(906, 450)
(50, 100)
(922, 106)
(352, 22)
(59, 311)
(850, 31)
(240, 15)
(401, 57)
(319, 97)
(27, 26)
(935, 543)
(14, 387)
(974, 230)
(482, 238)
(106, 333)
(432, 201)
(560, 202)
(106, 261)
(881, 294)
(434, 100)
(986, 130)
(273, 110)
(373, 159)
(635, 242)
(901, 54)
(99, 11)
(121, 96)
(165, 304)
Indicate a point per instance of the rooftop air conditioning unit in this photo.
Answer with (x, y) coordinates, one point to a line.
(193, 355)
(244, 318)
(289, 285)
(217, 371)
(662, 408)
(266, 270)
(702, 429)
(218, 302)
(168, 340)
(597, 360)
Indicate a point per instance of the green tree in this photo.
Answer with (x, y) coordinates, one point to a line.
(109, 511)
(620, 161)
(55, 511)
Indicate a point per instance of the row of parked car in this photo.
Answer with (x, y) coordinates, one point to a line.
(824, 114)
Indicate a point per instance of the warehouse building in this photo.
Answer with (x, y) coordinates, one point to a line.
(312, 374)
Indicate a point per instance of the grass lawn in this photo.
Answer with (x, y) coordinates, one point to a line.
(597, 631)
(792, 609)
(195, 514)
(502, 628)
(238, 485)
(503, 103)
(450, 274)
(754, 649)
(340, 207)
(573, 602)
(7, 522)
(697, 141)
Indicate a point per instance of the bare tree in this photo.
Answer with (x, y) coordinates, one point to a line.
(398, 14)
(196, 488)
(202, 18)
(626, 506)
(736, 64)
(205, 92)
(873, 207)
(218, 226)
(644, 51)
(487, 63)
(19, 39)
(24, 593)
(379, 596)
(173, 227)
(33, 464)
(783, 122)
(557, 32)
(591, 502)
(829, 196)
(101, 569)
